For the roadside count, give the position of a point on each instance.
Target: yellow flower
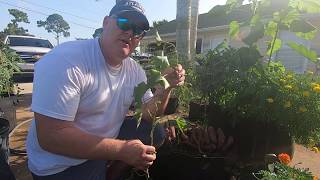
(302, 109)
(283, 80)
(289, 76)
(287, 104)
(270, 100)
(316, 89)
(306, 93)
(288, 86)
(284, 158)
(315, 84)
(315, 149)
(315, 178)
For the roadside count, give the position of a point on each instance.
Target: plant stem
(273, 43)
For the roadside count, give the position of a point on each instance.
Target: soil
(303, 157)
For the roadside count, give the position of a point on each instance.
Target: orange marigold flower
(315, 178)
(284, 158)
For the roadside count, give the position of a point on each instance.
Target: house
(213, 28)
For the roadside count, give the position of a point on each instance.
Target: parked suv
(29, 48)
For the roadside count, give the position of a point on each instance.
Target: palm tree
(183, 28)
(186, 32)
(193, 26)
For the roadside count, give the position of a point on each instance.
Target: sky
(84, 16)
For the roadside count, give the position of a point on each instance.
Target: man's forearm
(68, 140)
(157, 105)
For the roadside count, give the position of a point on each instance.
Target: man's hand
(175, 76)
(138, 155)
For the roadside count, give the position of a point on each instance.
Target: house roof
(217, 16)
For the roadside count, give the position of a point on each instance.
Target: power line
(38, 12)
(57, 10)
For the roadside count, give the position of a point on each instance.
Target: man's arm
(64, 138)
(157, 105)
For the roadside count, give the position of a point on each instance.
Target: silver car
(29, 48)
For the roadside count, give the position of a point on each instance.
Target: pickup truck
(30, 49)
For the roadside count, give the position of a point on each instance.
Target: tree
(157, 24)
(13, 28)
(55, 24)
(97, 32)
(194, 26)
(183, 29)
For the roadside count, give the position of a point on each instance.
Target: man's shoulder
(132, 63)
(75, 45)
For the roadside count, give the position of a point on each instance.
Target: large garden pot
(197, 111)
(253, 138)
(4, 139)
(5, 171)
(8, 110)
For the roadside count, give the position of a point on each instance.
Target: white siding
(291, 59)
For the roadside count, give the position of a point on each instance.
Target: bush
(8, 66)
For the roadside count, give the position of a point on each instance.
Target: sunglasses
(125, 25)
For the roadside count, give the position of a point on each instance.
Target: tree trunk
(194, 26)
(183, 29)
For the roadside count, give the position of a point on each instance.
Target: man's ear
(106, 20)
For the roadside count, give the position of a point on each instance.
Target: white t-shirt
(74, 83)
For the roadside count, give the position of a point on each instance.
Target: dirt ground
(306, 158)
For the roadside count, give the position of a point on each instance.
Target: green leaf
(308, 6)
(256, 33)
(163, 82)
(158, 38)
(233, 4)
(234, 29)
(160, 62)
(276, 47)
(182, 123)
(271, 29)
(156, 78)
(301, 26)
(292, 15)
(301, 49)
(308, 36)
(138, 93)
(254, 20)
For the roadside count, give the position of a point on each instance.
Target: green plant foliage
(274, 47)
(234, 29)
(308, 6)
(256, 33)
(160, 62)
(301, 26)
(8, 66)
(311, 55)
(279, 171)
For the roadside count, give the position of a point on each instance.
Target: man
(82, 92)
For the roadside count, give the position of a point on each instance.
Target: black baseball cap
(131, 10)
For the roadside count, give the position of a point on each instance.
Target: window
(32, 42)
